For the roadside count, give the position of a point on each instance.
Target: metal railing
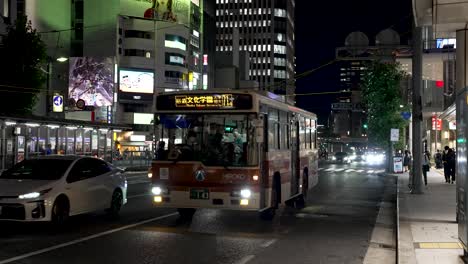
(133, 159)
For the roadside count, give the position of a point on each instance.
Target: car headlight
(333, 158)
(33, 195)
(156, 190)
(246, 193)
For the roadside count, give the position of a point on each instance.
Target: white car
(52, 188)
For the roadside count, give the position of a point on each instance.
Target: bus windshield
(214, 140)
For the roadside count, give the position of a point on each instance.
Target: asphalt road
(335, 227)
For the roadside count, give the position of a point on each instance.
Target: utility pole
(416, 170)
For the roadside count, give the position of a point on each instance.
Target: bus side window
(273, 129)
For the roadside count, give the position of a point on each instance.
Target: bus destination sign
(204, 101)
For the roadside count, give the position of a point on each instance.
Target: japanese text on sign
(205, 101)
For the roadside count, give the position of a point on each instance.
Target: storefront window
(32, 141)
(102, 143)
(87, 142)
(53, 139)
(41, 141)
(79, 141)
(71, 141)
(62, 140)
(94, 142)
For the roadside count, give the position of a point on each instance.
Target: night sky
(321, 26)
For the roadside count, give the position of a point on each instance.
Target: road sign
(57, 103)
(406, 115)
(394, 135)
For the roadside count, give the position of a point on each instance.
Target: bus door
(262, 141)
(295, 159)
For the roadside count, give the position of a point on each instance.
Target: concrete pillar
(416, 169)
(462, 121)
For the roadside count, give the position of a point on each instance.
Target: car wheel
(60, 211)
(268, 214)
(186, 213)
(116, 203)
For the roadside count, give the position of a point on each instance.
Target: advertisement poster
(132, 81)
(177, 11)
(21, 143)
(9, 146)
(92, 80)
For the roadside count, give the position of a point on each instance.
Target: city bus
(238, 150)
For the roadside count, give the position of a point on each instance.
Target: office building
(266, 31)
(119, 55)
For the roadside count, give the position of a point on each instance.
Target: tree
(21, 78)
(383, 99)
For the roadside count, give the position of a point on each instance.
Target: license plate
(199, 194)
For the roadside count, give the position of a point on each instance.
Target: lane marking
(320, 169)
(350, 170)
(76, 241)
(380, 171)
(244, 260)
(330, 169)
(359, 171)
(370, 171)
(337, 170)
(269, 243)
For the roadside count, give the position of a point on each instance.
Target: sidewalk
(428, 231)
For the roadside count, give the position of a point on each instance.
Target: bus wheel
(299, 203)
(186, 213)
(305, 182)
(268, 214)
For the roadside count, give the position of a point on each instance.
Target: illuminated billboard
(92, 80)
(136, 81)
(168, 10)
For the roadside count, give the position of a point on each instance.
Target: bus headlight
(150, 175)
(156, 190)
(246, 193)
(255, 177)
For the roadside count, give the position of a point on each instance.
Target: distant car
(52, 188)
(342, 157)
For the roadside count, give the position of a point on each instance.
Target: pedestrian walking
(438, 160)
(451, 161)
(448, 160)
(406, 161)
(426, 165)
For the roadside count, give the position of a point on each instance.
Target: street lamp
(62, 59)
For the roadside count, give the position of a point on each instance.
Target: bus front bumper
(219, 200)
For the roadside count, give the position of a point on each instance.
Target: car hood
(12, 187)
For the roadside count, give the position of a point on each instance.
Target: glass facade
(23, 140)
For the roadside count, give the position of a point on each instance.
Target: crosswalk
(351, 170)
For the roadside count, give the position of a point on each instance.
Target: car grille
(12, 211)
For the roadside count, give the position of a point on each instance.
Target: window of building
(137, 53)
(175, 42)
(137, 34)
(280, 12)
(175, 59)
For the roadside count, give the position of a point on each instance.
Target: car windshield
(214, 140)
(341, 154)
(38, 169)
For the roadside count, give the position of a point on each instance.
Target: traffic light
(365, 126)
